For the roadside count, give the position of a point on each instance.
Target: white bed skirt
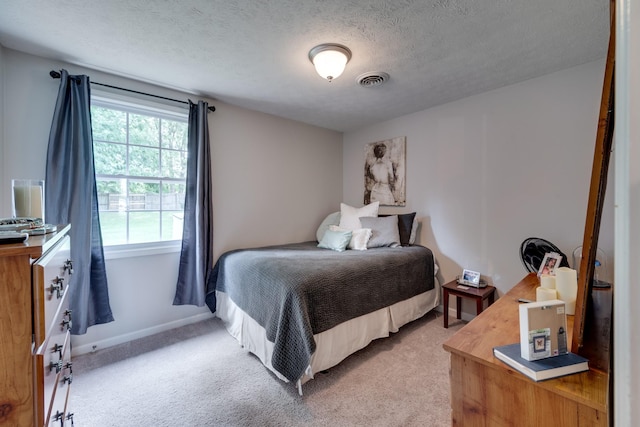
(335, 344)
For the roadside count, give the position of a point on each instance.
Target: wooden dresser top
(36, 245)
(499, 325)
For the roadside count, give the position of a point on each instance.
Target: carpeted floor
(198, 375)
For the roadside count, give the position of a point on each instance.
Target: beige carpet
(198, 375)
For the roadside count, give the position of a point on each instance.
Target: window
(140, 156)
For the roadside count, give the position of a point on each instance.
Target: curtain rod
(56, 75)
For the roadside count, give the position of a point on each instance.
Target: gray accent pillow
(331, 219)
(384, 231)
(406, 223)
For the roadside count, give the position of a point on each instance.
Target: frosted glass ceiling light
(330, 59)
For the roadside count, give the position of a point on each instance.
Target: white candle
(567, 287)
(36, 208)
(548, 281)
(545, 294)
(27, 199)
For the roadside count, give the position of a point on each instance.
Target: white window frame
(107, 99)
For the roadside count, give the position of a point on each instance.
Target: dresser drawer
(59, 412)
(51, 275)
(53, 372)
(27, 310)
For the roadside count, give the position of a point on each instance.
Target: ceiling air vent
(372, 79)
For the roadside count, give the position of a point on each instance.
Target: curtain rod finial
(54, 74)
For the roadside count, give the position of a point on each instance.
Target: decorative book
(544, 369)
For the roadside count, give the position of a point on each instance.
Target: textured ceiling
(253, 53)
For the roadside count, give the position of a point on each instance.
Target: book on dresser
(543, 369)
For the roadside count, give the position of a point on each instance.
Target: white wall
(274, 181)
(486, 172)
(633, 333)
(627, 227)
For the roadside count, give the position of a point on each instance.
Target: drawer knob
(58, 348)
(66, 321)
(55, 365)
(68, 378)
(68, 266)
(57, 287)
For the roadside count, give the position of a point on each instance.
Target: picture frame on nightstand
(470, 278)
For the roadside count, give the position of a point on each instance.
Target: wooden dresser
(35, 355)
(486, 392)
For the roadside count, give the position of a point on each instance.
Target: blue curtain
(71, 198)
(196, 257)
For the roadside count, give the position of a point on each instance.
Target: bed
(301, 308)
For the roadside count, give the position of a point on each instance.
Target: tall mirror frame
(584, 316)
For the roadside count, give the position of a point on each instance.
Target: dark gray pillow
(405, 228)
(384, 230)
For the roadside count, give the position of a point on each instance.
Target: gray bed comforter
(297, 290)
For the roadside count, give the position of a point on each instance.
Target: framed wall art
(384, 172)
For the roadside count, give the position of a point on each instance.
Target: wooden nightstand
(461, 291)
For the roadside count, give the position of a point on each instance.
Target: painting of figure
(384, 172)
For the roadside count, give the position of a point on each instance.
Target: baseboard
(121, 339)
(467, 317)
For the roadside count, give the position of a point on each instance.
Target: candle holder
(28, 199)
(601, 274)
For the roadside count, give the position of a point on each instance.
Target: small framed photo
(471, 278)
(550, 262)
(540, 343)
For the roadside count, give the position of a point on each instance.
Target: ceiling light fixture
(330, 59)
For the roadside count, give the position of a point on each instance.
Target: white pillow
(350, 216)
(331, 219)
(414, 232)
(359, 237)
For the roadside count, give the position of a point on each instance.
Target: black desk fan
(533, 250)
